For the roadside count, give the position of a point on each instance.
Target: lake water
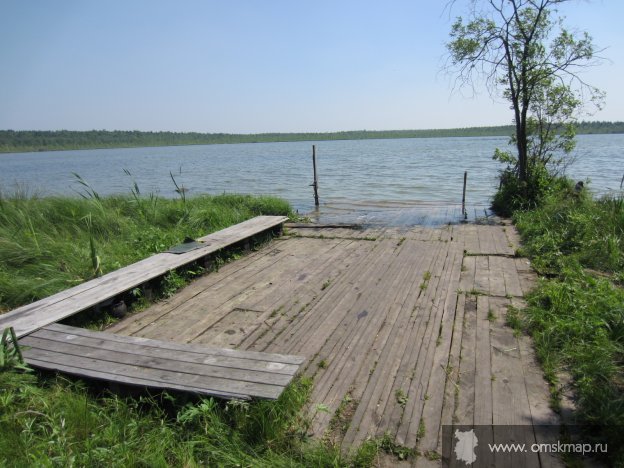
(365, 180)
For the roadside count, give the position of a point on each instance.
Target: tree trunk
(521, 143)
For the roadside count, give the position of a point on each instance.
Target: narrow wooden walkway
(33, 316)
(403, 330)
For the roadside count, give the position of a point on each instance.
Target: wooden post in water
(315, 183)
(464, 212)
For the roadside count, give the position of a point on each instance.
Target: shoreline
(44, 141)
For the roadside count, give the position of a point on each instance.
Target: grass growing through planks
(401, 397)
(576, 314)
(425, 281)
(51, 244)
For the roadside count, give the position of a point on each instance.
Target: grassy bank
(48, 244)
(576, 314)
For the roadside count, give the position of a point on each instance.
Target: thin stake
(464, 212)
(315, 183)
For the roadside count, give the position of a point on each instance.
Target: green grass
(56, 422)
(50, 244)
(576, 314)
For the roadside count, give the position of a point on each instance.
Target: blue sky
(254, 66)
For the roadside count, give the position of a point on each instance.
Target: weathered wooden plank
(526, 275)
(382, 306)
(510, 402)
(331, 307)
(482, 275)
(486, 241)
(503, 244)
(199, 356)
(412, 357)
(54, 308)
(433, 405)
(131, 379)
(55, 360)
(299, 277)
(172, 346)
(467, 277)
(464, 413)
(138, 361)
(390, 356)
(310, 294)
(451, 387)
(496, 275)
(434, 401)
(512, 281)
(470, 235)
(409, 429)
(394, 370)
(483, 363)
(510, 397)
(293, 306)
(136, 356)
(210, 298)
(302, 269)
(539, 397)
(422, 364)
(337, 308)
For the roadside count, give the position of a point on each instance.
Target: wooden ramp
(33, 316)
(224, 373)
(403, 330)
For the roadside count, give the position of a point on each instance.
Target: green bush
(513, 195)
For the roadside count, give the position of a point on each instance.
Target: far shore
(25, 141)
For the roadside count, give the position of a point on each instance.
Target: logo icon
(465, 446)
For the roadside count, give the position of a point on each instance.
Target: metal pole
(464, 212)
(315, 183)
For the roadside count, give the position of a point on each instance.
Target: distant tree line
(38, 140)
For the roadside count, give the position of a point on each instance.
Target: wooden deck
(224, 373)
(33, 316)
(403, 330)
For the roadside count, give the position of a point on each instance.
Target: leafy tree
(521, 47)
